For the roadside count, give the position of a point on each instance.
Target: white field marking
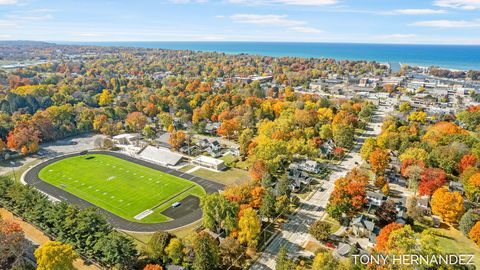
(111, 178)
(97, 190)
(105, 193)
(50, 170)
(143, 214)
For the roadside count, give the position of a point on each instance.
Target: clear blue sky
(367, 21)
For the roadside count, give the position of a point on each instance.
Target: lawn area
(186, 168)
(453, 241)
(119, 186)
(228, 177)
(335, 224)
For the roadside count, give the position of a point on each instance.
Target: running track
(31, 178)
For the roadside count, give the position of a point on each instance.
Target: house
(343, 249)
(203, 144)
(424, 203)
(214, 149)
(456, 186)
(297, 175)
(211, 127)
(375, 198)
(188, 150)
(127, 139)
(310, 166)
(362, 226)
(327, 148)
(235, 150)
(209, 162)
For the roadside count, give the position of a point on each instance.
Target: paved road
(31, 178)
(294, 234)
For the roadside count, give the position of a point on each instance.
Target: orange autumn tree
(258, 170)
(410, 162)
(177, 139)
(474, 233)
(447, 205)
(229, 128)
(382, 238)
(436, 132)
(349, 195)
(467, 161)
(153, 267)
(379, 160)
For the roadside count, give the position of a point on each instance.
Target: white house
(209, 162)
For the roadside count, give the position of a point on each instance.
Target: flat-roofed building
(209, 162)
(161, 155)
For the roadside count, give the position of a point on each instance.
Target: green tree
(219, 213)
(320, 230)
(326, 132)
(117, 251)
(55, 255)
(324, 260)
(157, 244)
(267, 209)
(206, 253)
(468, 220)
(244, 140)
(282, 261)
(344, 135)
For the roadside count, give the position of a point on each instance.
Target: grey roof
(343, 249)
(362, 221)
(376, 195)
(161, 155)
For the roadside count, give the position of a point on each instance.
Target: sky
(358, 21)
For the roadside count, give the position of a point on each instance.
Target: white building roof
(126, 136)
(209, 160)
(160, 155)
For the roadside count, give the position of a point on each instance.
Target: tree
(431, 180)
(474, 233)
(249, 227)
(343, 135)
(105, 98)
(12, 244)
(157, 244)
(153, 267)
(447, 205)
(380, 182)
(379, 160)
(258, 170)
(402, 241)
(472, 188)
(174, 250)
(386, 213)
(267, 209)
(177, 139)
(326, 132)
(244, 140)
(467, 161)
(349, 195)
(55, 255)
(135, 121)
(282, 262)
(418, 117)
(384, 235)
(320, 230)
(229, 128)
(231, 252)
(206, 253)
(368, 147)
(324, 260)
(468, 220)
(116, 250)
(219, 213)
(414, 154)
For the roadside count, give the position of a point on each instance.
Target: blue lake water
(464, 57)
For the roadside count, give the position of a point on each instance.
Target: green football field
(119, 186)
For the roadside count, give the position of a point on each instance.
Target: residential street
(294, 234)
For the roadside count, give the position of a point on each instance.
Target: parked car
(176, 204)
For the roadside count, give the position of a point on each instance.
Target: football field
(129, 190)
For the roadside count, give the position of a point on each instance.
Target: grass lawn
(453, 241)
(186, 168)
(228, 177)
(119, 186)
(335, 224)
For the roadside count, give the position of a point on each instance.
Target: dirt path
(38, 237)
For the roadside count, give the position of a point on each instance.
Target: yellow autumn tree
(249, 227)
(55, 255)
(447, 205)
(106, 98)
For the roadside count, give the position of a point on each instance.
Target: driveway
(294, 234)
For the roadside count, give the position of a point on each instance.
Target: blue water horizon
(460, 57)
